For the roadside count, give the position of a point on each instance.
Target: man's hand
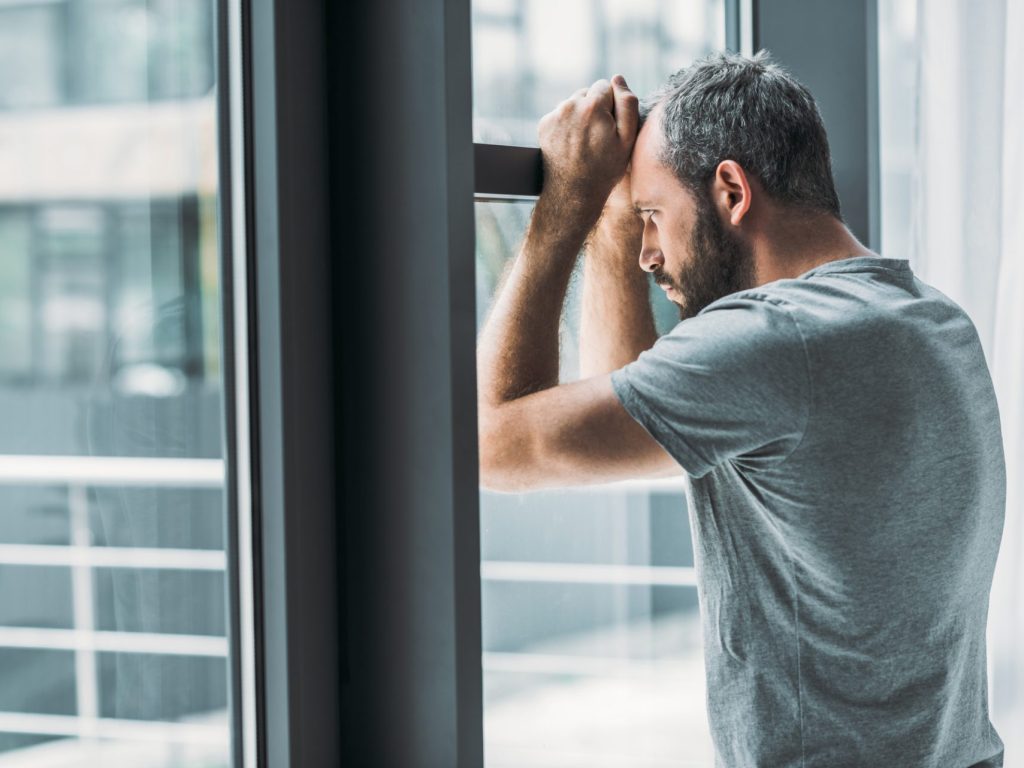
(586, 142)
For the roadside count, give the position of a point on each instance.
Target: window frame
(355, 364)
(277, 352)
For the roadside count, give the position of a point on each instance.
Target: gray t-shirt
(846, 489)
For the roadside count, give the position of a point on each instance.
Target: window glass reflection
(59, 52)
(528, 55)
(897, 94)
(113, 611)
(591, 626)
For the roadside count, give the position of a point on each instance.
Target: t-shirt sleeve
(731, 383)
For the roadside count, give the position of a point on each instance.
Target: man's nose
(650, 257)
(650, 254)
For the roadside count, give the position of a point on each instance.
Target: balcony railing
(79, 473)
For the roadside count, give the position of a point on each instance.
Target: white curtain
(966, 237)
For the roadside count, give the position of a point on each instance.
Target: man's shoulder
(848, 301)
(750, 324)
(770, 308)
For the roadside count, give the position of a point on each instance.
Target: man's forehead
(646, 157)
(648, 139)
(646, 167)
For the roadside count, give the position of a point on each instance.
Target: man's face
(686, 248)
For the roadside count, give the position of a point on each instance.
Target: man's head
(719, 135)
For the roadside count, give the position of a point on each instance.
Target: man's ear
(730, 191)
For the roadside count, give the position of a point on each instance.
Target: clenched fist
(586, 142)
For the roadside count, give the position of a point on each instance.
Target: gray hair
(729, 107)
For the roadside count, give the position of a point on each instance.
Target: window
(114, 607)
(591, 628)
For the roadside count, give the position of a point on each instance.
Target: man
(833, 414)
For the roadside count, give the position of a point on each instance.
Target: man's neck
(794, 245)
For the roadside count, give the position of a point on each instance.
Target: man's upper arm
(573, 434)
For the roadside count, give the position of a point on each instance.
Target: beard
(720, 263)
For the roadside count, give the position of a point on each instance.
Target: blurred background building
(112, 572)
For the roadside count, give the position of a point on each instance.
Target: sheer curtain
(952, 86)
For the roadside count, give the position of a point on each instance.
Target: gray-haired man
(833, 414)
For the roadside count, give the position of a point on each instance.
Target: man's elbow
(497, 470)
(501, 482)
(503, 456)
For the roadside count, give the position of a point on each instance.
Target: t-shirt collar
(858, 264)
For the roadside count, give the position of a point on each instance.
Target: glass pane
(591, 628)
(30, 63)
(58, 52)
(897, 93)
(113, 589)
(528, 55)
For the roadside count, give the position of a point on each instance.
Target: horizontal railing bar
(540, 752)
(114, 557)
(167, 644)
(111, 728)
(586, 573)
(96, 471)
(639, 485)
(84, 750)
(563, 664)
(215, 560)
(111, 470)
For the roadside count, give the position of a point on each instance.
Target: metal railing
(79, 473)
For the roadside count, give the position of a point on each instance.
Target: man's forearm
(616, 323)
(517, 350)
